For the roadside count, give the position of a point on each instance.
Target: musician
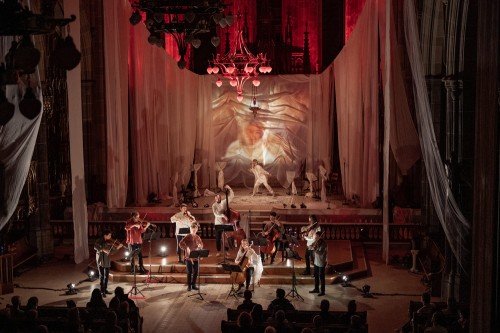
(191, 242)
(320, 249)
(273, 224)
(182, 219)
(135, 227)
(220, 207)
(309, 231)
(104, 246)
(246, 251)
(260, 177)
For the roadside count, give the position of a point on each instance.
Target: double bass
(232, 239)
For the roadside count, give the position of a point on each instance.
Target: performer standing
(309, 231)
(104, 247)
(191, 242)
(135, 227)
(320, 256)
(260, 177)
(182, 219)
(246, 251)
(273, 231)
(219, 207)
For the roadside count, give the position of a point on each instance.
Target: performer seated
(320, 249)
(182, 219)
(273, 231)
(246, 251)
(219, 207)
(260, 177)
(191, 242)
(135, 227)
(309, 231)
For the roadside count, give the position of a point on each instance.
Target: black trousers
(309, 258)
(103, 277)
(319, 276)
(137, 248)
(248, 276)
(218, 237)
(192, 272)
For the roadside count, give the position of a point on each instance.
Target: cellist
(248, 258)
(273, 231)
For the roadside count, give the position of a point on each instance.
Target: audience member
(114, 304)
(257, 315)
(307, 330)
(438, 324)
(96, 300)
(281, 324)
(356, 326)
(318, 322)
(120, 293)
(42, 329)
(247, 304)
(427, 308)
(280, 302)
(15, 309)
(270, 329)
(32, 303)
(74, 324)
(325, 310)
(352, 307)
(111, 324)
(245, 323)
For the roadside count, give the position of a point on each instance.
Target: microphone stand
(345, 187)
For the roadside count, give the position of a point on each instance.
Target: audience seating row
(232, 327)
(300, 316)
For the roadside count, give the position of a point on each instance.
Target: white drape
(116, 13)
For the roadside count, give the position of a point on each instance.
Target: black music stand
(232, 268)
(224, 228)
(150, 236)
(293, 255)
(259, 241)
(198, 254)
(134, 292)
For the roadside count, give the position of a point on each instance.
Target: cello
(240, 277)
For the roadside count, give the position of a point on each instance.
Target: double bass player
(220, 209)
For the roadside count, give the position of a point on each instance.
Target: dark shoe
(103, 295)
(321, 293)
(195, 288)
(314, 291)
(142, 271)
(108, 292)
(239, 287)
(306, 272)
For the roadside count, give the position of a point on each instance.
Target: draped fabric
(17, 142)
(116, 83)
(455, 225)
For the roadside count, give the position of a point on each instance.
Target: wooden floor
(168, 307)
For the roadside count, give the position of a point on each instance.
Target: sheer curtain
(116, 13)
(455, 225)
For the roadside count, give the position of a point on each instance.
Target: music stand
(199, 254)
(294, 256)
(134, 291)
(150, 236)
(259, 241)
(232, 268)
(224, 228)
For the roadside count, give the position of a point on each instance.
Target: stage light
(71, 289)
(345, 281)
(126, 256)
(366, 291)
(92, 274)
(163, 251)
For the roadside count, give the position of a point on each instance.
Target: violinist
(191, 242)
(104, 247)
(135, 227)
(308, 232)
(219, 207)
(273, 231)
(182, 220)
(246, 256)
(320, 249)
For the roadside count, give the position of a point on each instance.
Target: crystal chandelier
(182, 19)
(239, 65)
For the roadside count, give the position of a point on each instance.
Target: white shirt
(182, 221)
(309, 237)
(220, 208)
(260, 174)
(249, 253)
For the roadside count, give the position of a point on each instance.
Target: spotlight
(135, 18)
(71, 289)
(366, 291)
(92, 274)
(345, 281)
(126, 256)
(163, 251)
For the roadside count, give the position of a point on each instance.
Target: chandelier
(184, 20)
(239, 65)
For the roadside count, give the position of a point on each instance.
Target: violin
(113, 243)
(316, 243)
(308, 228)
